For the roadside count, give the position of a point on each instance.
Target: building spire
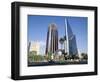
(65, 36)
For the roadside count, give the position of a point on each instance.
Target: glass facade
(72, 41)
(52, 39)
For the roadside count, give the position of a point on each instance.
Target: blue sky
(38, 26)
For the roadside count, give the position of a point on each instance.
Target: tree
(33, 57)
(61, 42)
(84, 56)
(49, 55)
(65, 56)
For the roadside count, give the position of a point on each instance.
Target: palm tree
(61, 42)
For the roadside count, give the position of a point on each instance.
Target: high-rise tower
(72, 45)
(66, 39)
(52, 39)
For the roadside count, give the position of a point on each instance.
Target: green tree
(61, 42)
(84, 56)
(49, 55)
(31, 56)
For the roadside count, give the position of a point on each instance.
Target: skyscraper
(66, 39)
(71, 40)
(52, 39)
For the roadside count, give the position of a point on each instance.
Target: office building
(52, 39)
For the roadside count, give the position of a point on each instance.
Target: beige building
(35, 46)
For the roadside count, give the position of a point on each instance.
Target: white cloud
(42, 43)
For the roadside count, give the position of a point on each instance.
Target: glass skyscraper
(52, 39)
(72, 45)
